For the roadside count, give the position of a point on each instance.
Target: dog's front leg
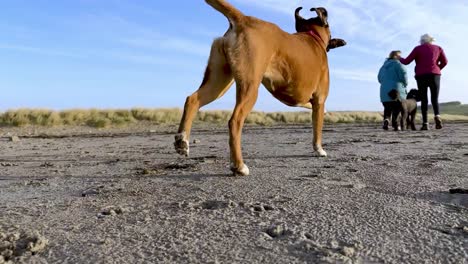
(403, 120)
(246, 98)
(404, 115)
(318, 113)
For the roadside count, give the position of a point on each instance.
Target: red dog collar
(315, 35)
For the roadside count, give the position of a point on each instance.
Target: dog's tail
(232, 13)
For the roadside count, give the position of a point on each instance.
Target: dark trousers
(392, 109)
(431, 81)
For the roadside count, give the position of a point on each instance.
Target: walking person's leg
(435, 89)
(422, 87)
(387, 114)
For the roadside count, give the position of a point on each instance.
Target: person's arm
(410, 58)
(442, 60)
(405, 76)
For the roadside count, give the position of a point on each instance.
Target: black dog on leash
(407, 107)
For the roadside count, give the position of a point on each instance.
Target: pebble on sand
(8, 164)
(348, 251)
(37, 243)
(92, 191)
(216, 205)
(112, 211)
(277, 230)
(14, 139)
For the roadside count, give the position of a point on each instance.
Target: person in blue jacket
(392, 75)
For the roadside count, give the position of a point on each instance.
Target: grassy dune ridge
(454, 108)
(123, 117)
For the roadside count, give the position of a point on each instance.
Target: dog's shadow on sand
(446, 198)
(293, 156)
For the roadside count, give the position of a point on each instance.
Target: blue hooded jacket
(392, 75)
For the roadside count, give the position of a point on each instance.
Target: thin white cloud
(136, 58)
(364, 75)
(170, 43)
(134, 35)
(152, 60)
(41, 51)
(136, 44)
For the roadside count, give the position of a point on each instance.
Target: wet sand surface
(126, 197)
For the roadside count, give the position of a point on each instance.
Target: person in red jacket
(430, 60)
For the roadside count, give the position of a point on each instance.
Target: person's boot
(386, 123)
(438, 122)
(425, 126)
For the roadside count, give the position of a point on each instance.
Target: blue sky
(130, 53)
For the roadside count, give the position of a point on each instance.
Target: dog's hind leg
(396, 111)
(246, 96)
(404, 115)
(217, 80)
(408, 122)
(318, 112)
(412, 116)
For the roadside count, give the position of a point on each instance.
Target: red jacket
(430, 59)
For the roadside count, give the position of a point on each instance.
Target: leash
(317, 37)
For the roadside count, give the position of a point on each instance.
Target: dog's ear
(304, 25)
(322, 14)
(336, 43)
(300, 21)
(414, 94)
(417, 95)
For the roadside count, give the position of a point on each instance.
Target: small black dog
(407, 107)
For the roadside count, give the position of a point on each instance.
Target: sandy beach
(124, 196)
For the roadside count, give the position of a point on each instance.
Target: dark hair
(393, 54)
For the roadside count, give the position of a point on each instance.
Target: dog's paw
(242, 171)
(181, 144)
(320, 152)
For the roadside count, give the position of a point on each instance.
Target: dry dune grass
(122, 117)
